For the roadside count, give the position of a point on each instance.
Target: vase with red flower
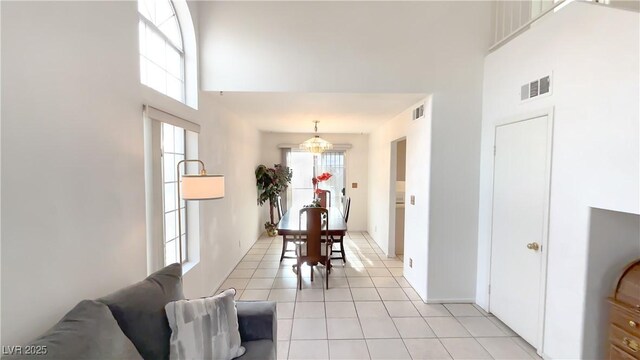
(319, 195)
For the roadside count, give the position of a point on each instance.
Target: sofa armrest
(257, 320)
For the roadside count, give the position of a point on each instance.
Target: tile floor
(369, 311)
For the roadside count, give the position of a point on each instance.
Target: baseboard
(451, 301)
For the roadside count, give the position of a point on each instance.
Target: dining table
(291, 228)
(290, 224)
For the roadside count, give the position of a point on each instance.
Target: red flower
(324, 176)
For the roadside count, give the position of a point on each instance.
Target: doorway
(401, 171)
(397, 197)
(522, 163)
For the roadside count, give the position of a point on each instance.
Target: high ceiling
(349, 64)
(337, 113)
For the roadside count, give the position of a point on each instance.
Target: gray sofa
(131, 324)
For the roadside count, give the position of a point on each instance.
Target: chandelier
(316, 145)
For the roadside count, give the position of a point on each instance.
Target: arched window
(166, 40)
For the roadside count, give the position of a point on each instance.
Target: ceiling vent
(418, 112)
(536, 88)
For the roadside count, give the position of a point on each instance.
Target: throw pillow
(139, 310)
(205, 328)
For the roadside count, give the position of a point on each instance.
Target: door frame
(548, 112)
(393, 163)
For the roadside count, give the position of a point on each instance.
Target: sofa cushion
(257, 320)
(139, 310)
(88, 331)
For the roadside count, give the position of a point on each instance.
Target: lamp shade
(202, 187)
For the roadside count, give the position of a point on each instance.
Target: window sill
(187, 266)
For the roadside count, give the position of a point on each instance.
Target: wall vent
(418, 112)
(535, 88)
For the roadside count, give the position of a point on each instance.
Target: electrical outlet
(413, 199)
(375, 228)
(411, 263)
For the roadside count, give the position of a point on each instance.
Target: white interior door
(520, 203)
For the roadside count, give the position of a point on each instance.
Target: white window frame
(189, 56)
(183, 89)
(181, 204)
(153, 119)
(336, 195)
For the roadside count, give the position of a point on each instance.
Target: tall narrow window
(169, 139)
(162, 56)
(173, 151)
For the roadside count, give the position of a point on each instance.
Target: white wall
(453, 194)
(73, 209)
(343, 46)
(356, 162)
(382, 182)
(229, 227)
(595, 161)
(433, 47)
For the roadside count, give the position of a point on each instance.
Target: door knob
(533, 246)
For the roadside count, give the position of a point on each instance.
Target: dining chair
(340, 239)
(325, 198)
(285, 239)
(310, 251)
(279, 207)
(347, 207)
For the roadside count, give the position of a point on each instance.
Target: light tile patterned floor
(369, 311)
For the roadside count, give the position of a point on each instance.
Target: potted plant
(271, 182)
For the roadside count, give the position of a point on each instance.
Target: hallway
(369, 311)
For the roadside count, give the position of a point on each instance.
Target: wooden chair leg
(327, 264)
(344, 257)
(326, 270)
(284, 246)
(299, 266)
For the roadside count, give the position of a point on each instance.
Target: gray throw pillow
(139, 310)
(87, 332)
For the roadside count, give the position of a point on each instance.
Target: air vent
(545, 85)
(535, 88)
(418, 112)
(524, 92)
